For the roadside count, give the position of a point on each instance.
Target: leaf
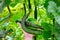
(57, 18)
(32, 20)
(38, 2)
(58, 8)
(46, 34)
(57, 2)
(47, 27)
(8, 38)
(58, 36)
(52, 7)
(57, 28)
(13, 4)
(5, 25)
(46, 3)
(7, 2)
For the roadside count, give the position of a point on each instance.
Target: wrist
(28, 36)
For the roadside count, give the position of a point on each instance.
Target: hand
(27, 36)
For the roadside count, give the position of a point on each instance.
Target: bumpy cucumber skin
(26, 29)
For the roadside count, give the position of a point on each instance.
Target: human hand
(27, 36)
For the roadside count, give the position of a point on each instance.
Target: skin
(27, 36)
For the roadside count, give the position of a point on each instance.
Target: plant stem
(53, 35)
(24, 7)
(9, 9)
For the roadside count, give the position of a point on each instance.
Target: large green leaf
(46, 34)
(52, 7)
(47, 30)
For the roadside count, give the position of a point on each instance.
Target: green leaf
(46, 34)
(52, 7)
(5, 25)
(58, 36)
(13, 4)
(7, 2)
(46, 3)
(47, 27)
(57, 27)
(58, 9)
(57, 2)
(57, 18)
(32, 20)
(38, 2)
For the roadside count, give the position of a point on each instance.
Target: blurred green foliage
(47, 10)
